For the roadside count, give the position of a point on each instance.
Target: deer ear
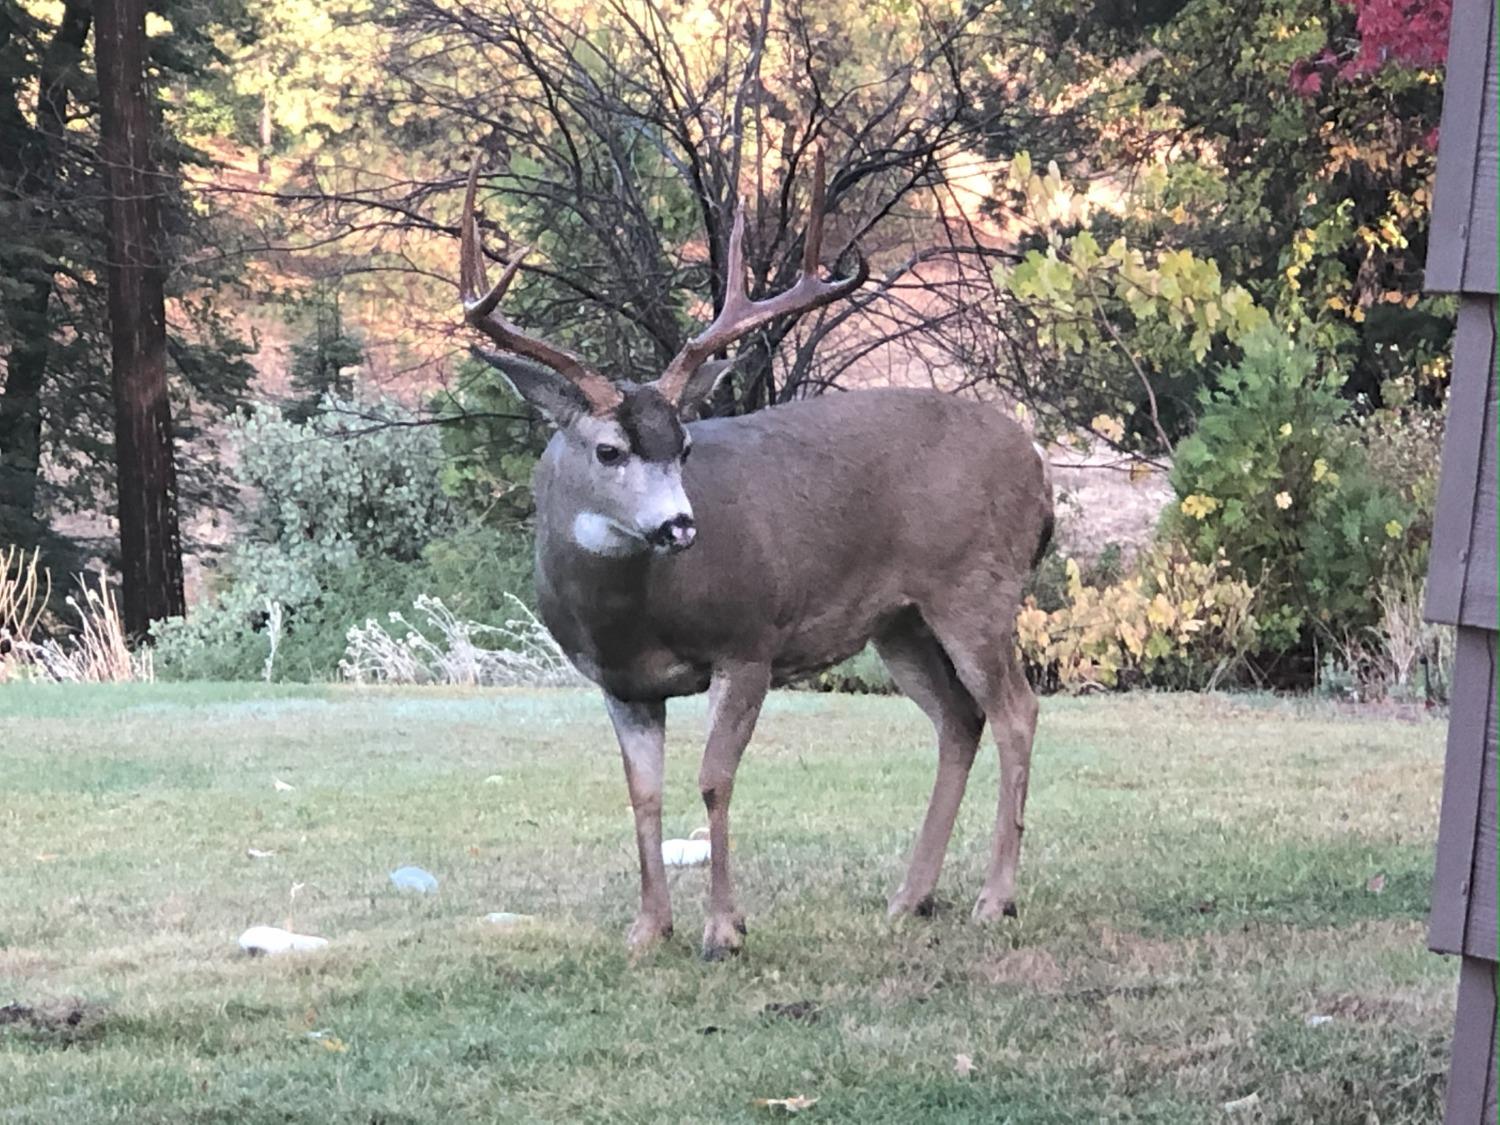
(559, 400)
(703, 382)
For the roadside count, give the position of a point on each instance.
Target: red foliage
(1405, 32)
(1391, 32)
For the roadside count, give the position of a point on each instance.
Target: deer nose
(677, 534)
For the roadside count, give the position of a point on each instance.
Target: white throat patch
(600, 535)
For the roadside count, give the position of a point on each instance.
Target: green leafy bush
(346, 520)
(490, 445)
(1276, 479)
(862, 674)
(1047, 584)
(354, 479)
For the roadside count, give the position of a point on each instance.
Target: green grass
(1194, 886)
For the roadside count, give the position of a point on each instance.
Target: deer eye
(608, 454)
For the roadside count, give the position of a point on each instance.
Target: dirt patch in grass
(1033, 969)
(59, 1021)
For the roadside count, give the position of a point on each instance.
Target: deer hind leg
(734, 702)
(641, 729)
(985, 660)
(924, 673)
(1014, 724)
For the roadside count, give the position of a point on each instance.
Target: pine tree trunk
(29, 158)
(21, 416)
(150, 544)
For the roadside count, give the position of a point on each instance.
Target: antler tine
(812, 245)
(734, 267)
(481, 305)
(738, 315)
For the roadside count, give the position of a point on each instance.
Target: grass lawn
(1196, 883)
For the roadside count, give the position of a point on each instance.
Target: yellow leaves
(1393, 529)
(1084, 251)
(1320, 469)
(1031, 627)
(1174, 610)
(1199, 506)
(1283, 500)
(1160, 614)
(1286, 429)
(1108, 427)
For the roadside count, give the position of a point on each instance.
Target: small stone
(414, 879)
(506, 918)
(272, 940)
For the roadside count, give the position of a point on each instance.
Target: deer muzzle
(677, 534)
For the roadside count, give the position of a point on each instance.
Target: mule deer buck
(787, 540)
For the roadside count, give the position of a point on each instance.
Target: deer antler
(740, 315)
(482, 313)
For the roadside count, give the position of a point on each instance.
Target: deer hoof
(993, 909)
(902, 904)
(723, 938)
(646, 932)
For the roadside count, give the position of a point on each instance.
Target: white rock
(506, 918)
(684, 853)
(271, 940)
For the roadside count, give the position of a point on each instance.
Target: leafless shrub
(274, 621)
(98, 653)
(447, 650)
(1403, 657)
(25, 587)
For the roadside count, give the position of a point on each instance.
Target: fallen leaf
(45, 857)
(963, 1066)
(1242, 1105)
(256, 853)
(328, 1041)
(494, 779)
(1376, 884)
(473, 851)
(794, 1104)
(1317, 1020)
(281, 786)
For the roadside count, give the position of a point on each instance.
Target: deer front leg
(642, 731)
(735, 697)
